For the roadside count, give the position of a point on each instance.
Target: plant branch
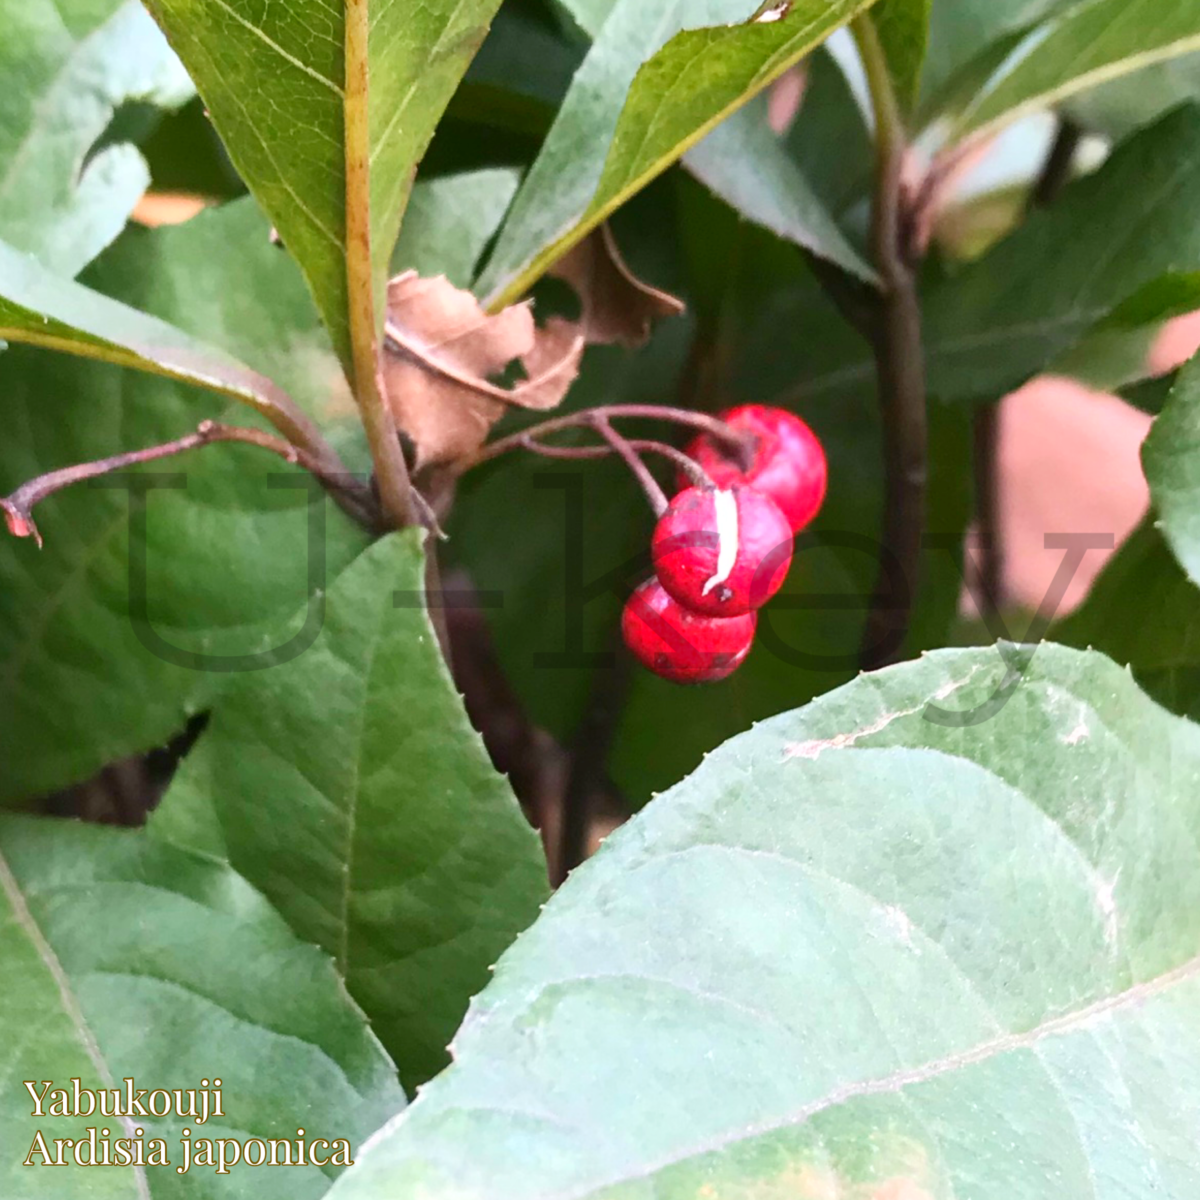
(391, 471)
(694, 470)
(1056, 171)
(654, 493)
(216, 374)
(18, 507)
(899, 368)
(587, 419)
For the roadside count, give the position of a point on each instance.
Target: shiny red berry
(680, 645)
(787, 462)
(722, 552)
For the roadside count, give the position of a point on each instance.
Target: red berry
(722, 552)
(787, 464)
(680, 645)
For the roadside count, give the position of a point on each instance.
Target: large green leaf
(273, 77)
(859, 952)
(229, 561)
(348, 785)
(644, 95)
(66, 66)
(121, 957)
(1094, 42)
(748, 166)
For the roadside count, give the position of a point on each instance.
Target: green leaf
(999, 320)
(991, 326)
(349, 786)
(644, 95)
(829, 139)
(520, 75)
(1171, 460)
(122, 957)
(1116, 353)
(230, 561)
(290, 143)
(964, 32)
(858, 952)
(1144, 612)
(40, 308)
(1094, 42)
(66, 66)
(1117, 108)
(747, 165)
(903, 27)
(450, 221)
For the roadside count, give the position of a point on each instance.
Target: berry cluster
(720, 552)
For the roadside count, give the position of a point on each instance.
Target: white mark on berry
(726, 509)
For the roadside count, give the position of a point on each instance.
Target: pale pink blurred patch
(785, 97)
(1175, 344)
(1068, 464)
(167, 208)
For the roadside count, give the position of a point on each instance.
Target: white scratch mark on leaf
(814, 746)
(1080, 733)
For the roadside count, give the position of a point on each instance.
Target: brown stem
(654, 493)
(698, 475)
(391, 471)
(18, 507)
(216, 374)
(587, 419)
(900, 372)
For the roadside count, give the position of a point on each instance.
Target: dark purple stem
(18, 507)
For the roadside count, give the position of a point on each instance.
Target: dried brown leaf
(441, 349)
(617, 307)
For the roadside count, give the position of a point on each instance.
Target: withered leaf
(617, 307)
(441, 349)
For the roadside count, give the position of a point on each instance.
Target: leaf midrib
(908, 1077)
